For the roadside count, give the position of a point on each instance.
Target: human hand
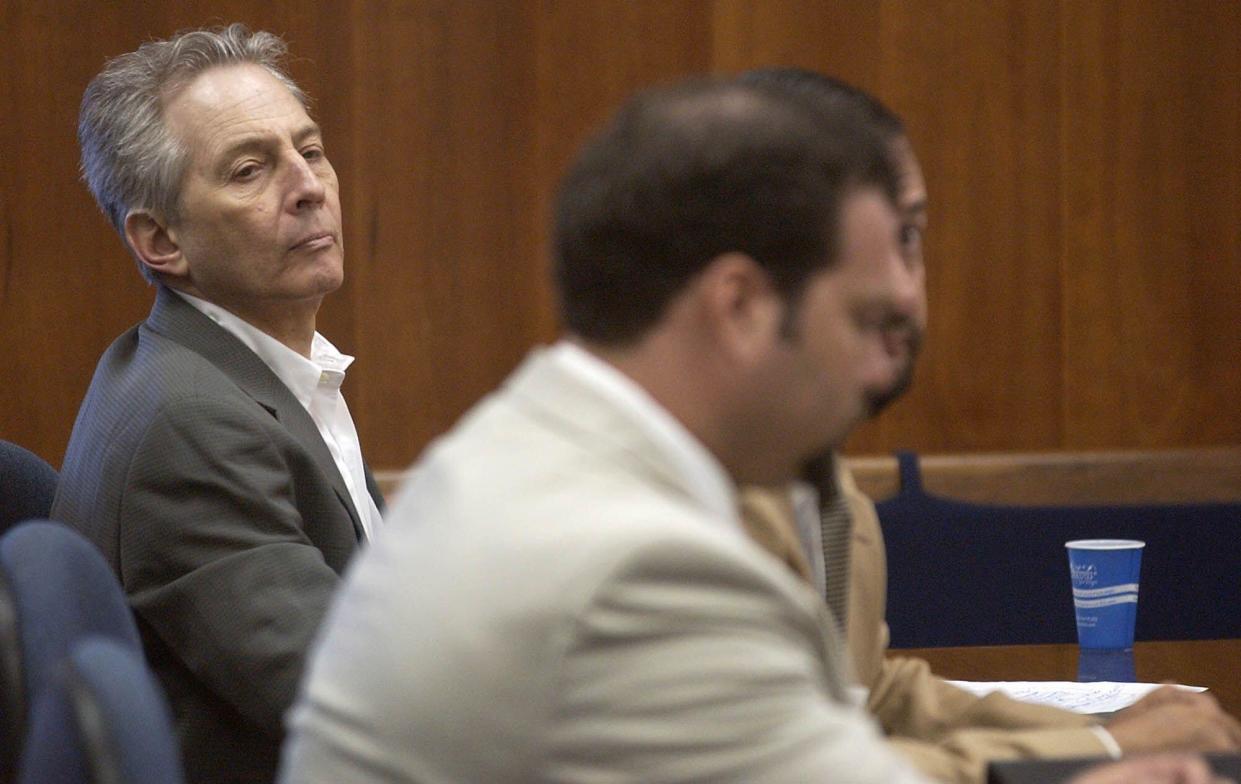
(1171, 719)
(1156, 769)
(1164, 695)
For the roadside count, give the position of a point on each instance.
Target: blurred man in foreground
(565, 592)
(949, 733)
(214, 460)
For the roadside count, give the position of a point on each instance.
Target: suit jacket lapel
(178, 320)
(372, 487)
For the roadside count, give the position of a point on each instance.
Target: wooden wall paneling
(1201, 475)
(68, 286)
(840, 39)
(977, 85)
(447, 285)
(592, 56)
(1085, 246)
(1214, 169)
(1151, 261)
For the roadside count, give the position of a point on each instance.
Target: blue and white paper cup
(1105, 590)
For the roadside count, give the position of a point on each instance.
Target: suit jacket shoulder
(209, 490)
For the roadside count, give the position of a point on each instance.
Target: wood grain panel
(841, 39)
(1207, 475)
(1082, 157)
(448, 289)
(68, 286)
(977, 85)
(1211, 475)
(1152, 257)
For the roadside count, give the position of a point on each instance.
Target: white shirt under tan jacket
(948, 733)
(558, 597)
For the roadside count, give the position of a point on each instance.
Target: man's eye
(870, 320)
(911, 235)
(313, 153)
(246, 172)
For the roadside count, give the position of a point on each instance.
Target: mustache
(818, 469)
(879, 399)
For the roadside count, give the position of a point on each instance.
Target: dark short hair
(831, 96)
(685, 174)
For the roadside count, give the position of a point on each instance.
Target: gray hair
(129, 159)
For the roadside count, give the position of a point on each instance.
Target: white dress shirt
(315, 382)
(805, 501)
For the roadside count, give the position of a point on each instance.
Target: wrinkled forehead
(228, 105)
(214, 76)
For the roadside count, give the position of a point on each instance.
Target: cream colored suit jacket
(549, 603)
(947, 732)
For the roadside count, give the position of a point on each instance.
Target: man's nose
(306, 186)
(908, 311)
(910, 285)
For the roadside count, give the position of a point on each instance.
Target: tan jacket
(948, 733)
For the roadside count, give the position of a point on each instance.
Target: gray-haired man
(214, 460)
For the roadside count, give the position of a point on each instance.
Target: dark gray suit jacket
(209, 489)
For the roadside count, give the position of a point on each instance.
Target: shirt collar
(325, 367)
(701, 474)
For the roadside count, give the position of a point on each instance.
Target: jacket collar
(561, 395)
(182, 323)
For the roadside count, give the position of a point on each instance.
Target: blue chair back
(27, 484)
(102, 719)
(12, 689)
(58, 589)
(985, 574)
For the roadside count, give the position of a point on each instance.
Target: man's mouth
(317, 241)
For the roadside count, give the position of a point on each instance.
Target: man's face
(259, 220)
(820, 379)
(904, 339)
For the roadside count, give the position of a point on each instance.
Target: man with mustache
(947, 732)
(214, 460)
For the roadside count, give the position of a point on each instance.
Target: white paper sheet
(1095, 697)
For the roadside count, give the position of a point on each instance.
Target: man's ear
(742, 308)
(155, 245)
